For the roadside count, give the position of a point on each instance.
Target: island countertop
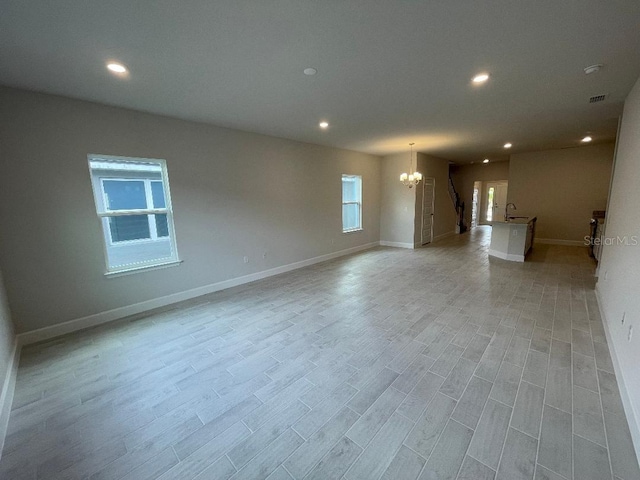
(516, 221)
(512, 240)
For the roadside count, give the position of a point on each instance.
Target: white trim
(384, 243)
(140, 167)
(633, 419)
(444, 235)
(558, 241)
(127, 213)
(96, 319)
(8, 389)
(358, 182)
(144, 268)
(103, 213)
(428, 181)
(506, 256)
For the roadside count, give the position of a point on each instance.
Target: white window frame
(359, 203)
(105, 213)
(153, 230)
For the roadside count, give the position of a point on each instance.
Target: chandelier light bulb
(413, 177)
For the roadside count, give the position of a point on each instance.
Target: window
(134, 205)
(351, 203)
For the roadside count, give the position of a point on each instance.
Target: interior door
(500, 201)
(428, 198)
(495, 201)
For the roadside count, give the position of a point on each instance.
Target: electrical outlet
(246, 259)
(630, 332)
(624, 315)
(264, 255)
(606, 274)
(515, 233)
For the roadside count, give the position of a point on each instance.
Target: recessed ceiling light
(507, 145)
(117, 68)
(586, 139)
(310, 71)
(592, 69)
(481, 78)
(486, 160)
(324, 124)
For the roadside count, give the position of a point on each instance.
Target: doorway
(495, 200)
(428, 199)
(475, 203)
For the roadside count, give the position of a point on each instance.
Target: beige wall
(401, 212)
(561, 188)
(464, 176)
(444, 212)
(619, 270)
(234, 194)
(397, 215)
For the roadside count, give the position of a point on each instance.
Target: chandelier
(412, 178)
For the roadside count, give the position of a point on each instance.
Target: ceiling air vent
(597, 98)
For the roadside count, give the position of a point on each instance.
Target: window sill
(146, 268)
(355, 230)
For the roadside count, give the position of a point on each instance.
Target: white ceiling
(389, 72)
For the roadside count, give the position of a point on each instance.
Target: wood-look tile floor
(436, 363)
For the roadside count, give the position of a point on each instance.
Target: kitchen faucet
(506, 211)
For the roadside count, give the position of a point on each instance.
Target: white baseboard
(506, 256)
(6, 396)
(384, 243)
(444, 235)
(632, 418)
(558, 241)
(100, 318)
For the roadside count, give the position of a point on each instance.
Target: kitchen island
(513, 238)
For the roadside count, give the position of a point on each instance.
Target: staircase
(459, 206)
